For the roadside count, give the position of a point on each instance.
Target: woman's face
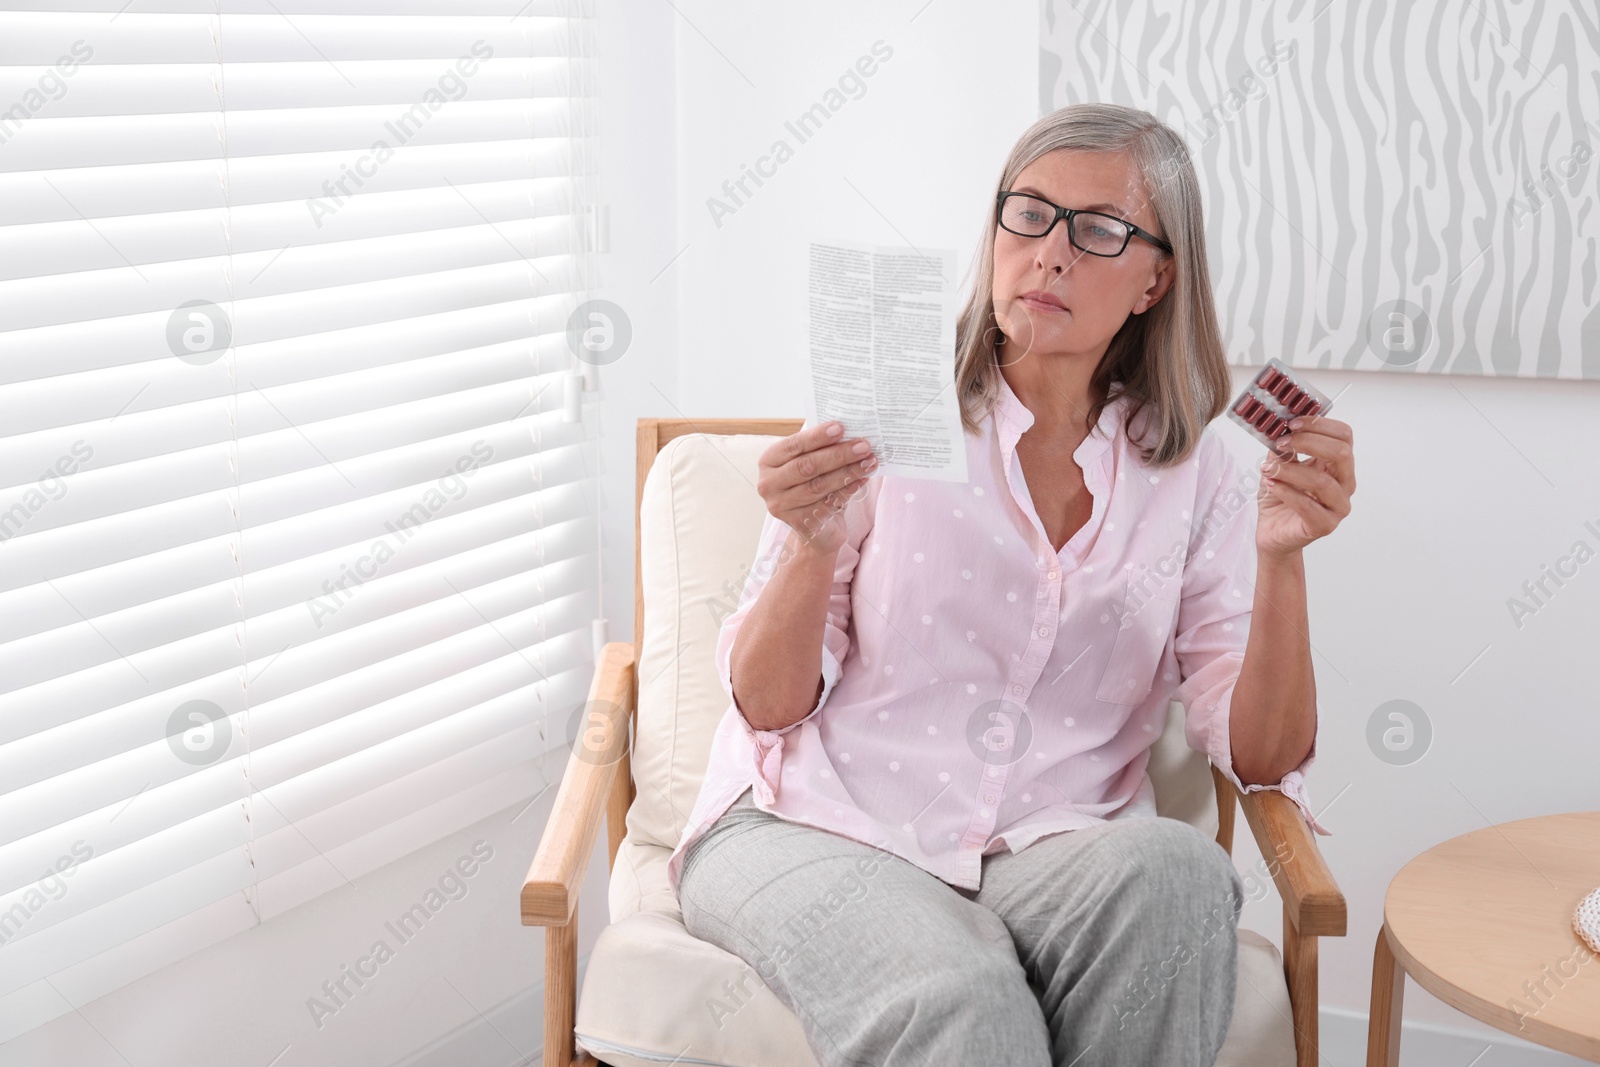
(1098, 292)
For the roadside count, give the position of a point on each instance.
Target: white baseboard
(511, 1034)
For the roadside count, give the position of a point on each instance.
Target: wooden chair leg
(560, 992)
(1388, 996)
(1300, 971)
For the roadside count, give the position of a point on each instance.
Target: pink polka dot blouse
(981, 690)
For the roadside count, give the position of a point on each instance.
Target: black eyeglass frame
(1069, 213)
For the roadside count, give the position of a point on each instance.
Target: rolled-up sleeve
(1214, 618)
(835, 638)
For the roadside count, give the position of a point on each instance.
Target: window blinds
(298, 533)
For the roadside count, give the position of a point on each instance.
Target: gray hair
(1170, 360)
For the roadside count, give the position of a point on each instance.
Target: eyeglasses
(1090, 231)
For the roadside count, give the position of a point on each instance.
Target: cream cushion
(653, 993)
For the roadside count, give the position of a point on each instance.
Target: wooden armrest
(1311, 898)
(550, 892)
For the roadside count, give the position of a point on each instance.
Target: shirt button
(1053, 575)
(1016, 688)
(1044, 631)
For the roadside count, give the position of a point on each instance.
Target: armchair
(652, 992)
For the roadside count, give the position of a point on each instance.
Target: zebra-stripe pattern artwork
(1387, 186)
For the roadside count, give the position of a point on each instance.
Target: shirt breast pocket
(1143, 628)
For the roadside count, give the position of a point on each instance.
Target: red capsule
(1268, 378)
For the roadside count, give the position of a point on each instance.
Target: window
(298, 534)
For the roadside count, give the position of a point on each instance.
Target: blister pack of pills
(1272, 398)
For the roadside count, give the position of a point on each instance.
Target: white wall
(1467, 486)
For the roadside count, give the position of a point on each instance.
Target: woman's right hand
(807, 478)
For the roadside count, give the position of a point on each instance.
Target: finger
(1335, 453)
(1346, 476)
(804, 440)
(1318, 519)
(809, 466)
(1324, 425)
(1322, 486)
(849, 467)
(1313, 443)
(1315, 482)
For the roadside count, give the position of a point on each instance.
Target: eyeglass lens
(1092, 232)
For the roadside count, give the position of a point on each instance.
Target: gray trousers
(1113, 944)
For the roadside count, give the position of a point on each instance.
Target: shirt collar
(1015, 418)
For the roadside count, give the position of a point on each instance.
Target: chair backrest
(699, 522)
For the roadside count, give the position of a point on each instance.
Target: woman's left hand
(1301, 500)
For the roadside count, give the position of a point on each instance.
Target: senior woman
(926, 822)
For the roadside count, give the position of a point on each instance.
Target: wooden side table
(1484, 923)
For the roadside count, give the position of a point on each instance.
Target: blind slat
(155, 292)
(383, 658)
(41, 196)
(318, 872)
(337, 237)
(207, 794)
(297, 513)
(286, 438)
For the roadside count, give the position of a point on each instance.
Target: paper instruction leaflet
(882, 337)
